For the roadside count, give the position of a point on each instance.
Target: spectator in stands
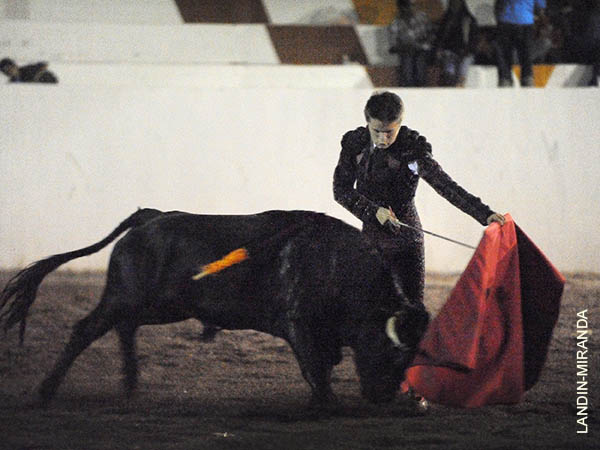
(32, 73)
(485, 46)
(410, 36)
(550, 28)
(455, 42)
(515, 31)
(583, 38)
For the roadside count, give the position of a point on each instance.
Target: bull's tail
(22, 288)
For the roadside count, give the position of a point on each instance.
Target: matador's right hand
(385, 215)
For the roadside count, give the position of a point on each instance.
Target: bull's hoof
(209, 333)
(323, 402)
(417, 403)
(130, 393)
(38, 403)
(422, 405)
(45, 394)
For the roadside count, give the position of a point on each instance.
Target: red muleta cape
(488, 343)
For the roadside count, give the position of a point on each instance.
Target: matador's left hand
(498, 218)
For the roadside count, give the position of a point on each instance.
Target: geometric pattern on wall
(383, 76)
(541, 73)
(368, 12)
(375, 12)
(290, 32)
(317, 44)
(382, 12)
(316, 32)
(222, 11)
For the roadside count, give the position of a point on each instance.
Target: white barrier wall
(76, 160)
(154, 12)
(115, 53)
(215, 76)
(310, 11)
(129, 44)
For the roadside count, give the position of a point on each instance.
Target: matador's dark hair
(384, 106)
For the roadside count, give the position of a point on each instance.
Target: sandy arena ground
(245, 391)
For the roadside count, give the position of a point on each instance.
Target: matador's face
(383, 134)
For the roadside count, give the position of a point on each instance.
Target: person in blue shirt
(515, 31)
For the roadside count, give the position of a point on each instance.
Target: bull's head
(387, 347)
(406, 327)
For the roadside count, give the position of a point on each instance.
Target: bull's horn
(390, 331)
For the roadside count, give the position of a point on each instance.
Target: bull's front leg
(315, 364)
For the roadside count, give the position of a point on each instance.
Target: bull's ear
(398, 285)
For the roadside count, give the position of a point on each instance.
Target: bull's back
(225, 232)
(298, 260)
(314, 238)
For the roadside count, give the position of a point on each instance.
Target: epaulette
(356, 139)
(411, 142)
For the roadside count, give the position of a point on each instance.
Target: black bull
(310, 279)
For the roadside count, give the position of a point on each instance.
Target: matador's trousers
(404, 252)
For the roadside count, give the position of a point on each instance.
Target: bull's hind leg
(126, 333)
(86, 331)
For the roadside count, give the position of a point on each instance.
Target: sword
(398, 224)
